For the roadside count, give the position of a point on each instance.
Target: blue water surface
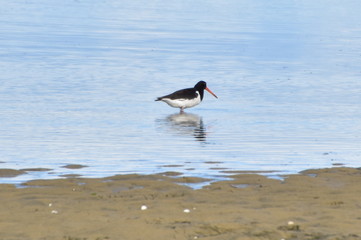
(79, 78)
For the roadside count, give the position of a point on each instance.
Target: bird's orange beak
(211, 92)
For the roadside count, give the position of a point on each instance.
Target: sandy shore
(315, 204)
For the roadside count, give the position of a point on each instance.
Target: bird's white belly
(183, 103)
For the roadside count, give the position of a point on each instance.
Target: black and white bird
(186, 98)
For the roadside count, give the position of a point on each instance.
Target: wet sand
(315, 204)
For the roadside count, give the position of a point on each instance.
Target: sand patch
(315, 204)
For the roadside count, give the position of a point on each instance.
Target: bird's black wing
(188, 93)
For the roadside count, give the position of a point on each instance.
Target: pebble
(143, 208)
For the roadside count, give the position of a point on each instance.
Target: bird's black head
(201, 85)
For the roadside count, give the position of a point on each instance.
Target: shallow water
(79, 80)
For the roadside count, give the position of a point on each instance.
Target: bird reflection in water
(185, 124)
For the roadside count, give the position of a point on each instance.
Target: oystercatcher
(186, 98)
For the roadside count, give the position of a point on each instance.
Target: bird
(186, 98)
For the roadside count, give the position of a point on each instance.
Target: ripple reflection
(185, 124)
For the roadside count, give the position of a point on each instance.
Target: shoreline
(314, 204)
